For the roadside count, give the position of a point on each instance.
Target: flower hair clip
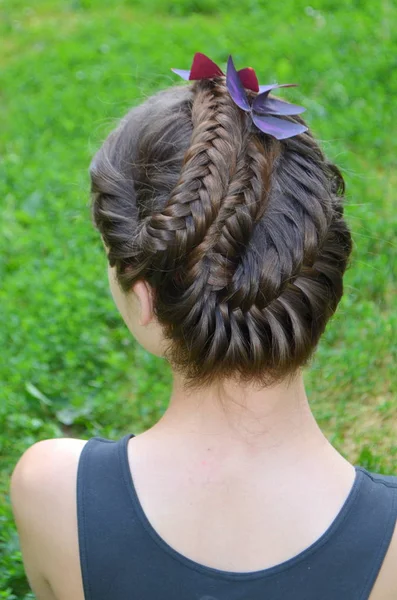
(263, 108)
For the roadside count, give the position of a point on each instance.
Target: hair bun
(241, 236)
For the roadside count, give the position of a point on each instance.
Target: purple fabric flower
(263, 108)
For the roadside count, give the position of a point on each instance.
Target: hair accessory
(262, 108)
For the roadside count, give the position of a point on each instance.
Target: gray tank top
(123, 558)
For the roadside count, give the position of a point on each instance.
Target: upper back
(106, 544)
(342, 563)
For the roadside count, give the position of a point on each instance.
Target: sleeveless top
(123, 558)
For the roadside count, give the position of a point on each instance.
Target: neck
(274, 425)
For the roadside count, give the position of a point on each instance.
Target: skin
(222, 439)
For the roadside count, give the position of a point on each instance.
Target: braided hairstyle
(241, 236)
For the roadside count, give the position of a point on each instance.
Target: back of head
(240, 235)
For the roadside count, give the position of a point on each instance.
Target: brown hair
(241, 236)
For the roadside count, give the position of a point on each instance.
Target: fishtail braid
(242, 237)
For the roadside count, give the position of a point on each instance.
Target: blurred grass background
(68, 70)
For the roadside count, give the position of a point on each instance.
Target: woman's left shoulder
(43, 499)
(46, 467)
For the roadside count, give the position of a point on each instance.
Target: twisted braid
(208, 168)
(241, 236)
(268, 307)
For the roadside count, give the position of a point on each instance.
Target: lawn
(68, 71)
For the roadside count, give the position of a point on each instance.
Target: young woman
(223, 225)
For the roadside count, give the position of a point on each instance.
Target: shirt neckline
(235, 575)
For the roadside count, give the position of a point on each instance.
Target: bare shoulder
(43, 499)
(45, 470)
(45, 452)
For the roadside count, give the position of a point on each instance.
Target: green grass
(68, 71)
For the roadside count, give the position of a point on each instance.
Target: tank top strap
(355, 555)
(106, 519)
(122, 556)
(380, 499)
